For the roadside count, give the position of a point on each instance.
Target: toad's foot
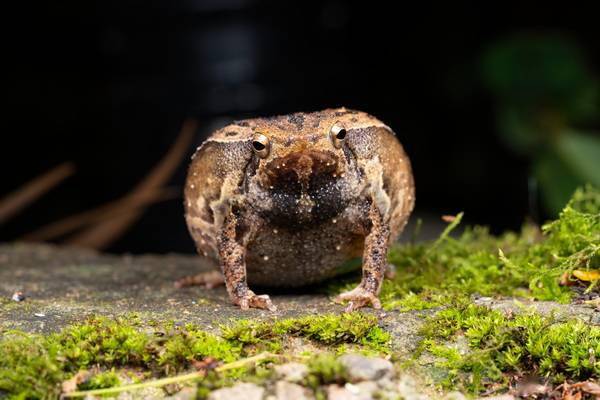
(251, 300)
(209, 280)
(358, 298)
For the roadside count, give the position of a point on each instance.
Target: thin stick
(34, 189)
(171, 380)
(103, 234)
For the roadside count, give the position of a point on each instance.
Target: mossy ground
(503, 348)
(440, 275)
(34, 366)
(535, 264)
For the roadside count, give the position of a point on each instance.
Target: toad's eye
(337, 134)
(261, 145)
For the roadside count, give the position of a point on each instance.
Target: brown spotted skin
(298, 215)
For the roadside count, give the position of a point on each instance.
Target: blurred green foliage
(548, 110)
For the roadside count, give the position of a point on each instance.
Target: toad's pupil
(258, 146)
(341, 134)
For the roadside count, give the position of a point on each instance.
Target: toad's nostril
(301, 166)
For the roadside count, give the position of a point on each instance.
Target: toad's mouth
(301, 167)
(304, 187)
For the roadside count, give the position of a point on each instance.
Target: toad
(289, 200)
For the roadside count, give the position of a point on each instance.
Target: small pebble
(361, 368)
(292, 391)
(455, 396)
(336, 392)
(367, 388)
(291, 372)
(246, 391)
(18, 296)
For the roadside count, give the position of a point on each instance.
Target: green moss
(324, 369)
(256, 374)
(527, 264)
(502, 347)
(29, 367)
(34, 366)
(101, 380)
(327, 329)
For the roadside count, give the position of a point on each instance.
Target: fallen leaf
(588, 276)
(588, 387)
(575, 391)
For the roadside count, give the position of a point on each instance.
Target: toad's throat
(300, 204)
(305, 188)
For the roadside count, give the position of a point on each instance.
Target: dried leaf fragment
(588, 276)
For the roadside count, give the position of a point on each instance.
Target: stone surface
(336, 392)
(584, 312)
(246, 391)
(362, 388)
(455, 396)
(292, 391)
(65, 285)
(360, 368)
(291, 372)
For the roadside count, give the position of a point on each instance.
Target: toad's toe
(358, 298)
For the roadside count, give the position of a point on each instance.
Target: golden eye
(261, 145)
(337, 134)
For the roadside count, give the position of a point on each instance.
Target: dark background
(108, 86)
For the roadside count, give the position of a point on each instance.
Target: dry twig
(104, 233)
(115, 209)
(194, 376)
(31, 191)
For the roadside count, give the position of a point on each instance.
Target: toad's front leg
(373, 267)
(232, 256)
